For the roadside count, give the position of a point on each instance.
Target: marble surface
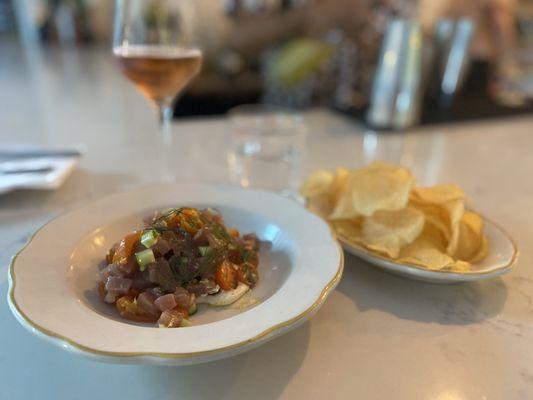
(378, 336)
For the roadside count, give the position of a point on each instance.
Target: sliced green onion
(203, 250)
(149, 238)
(144, 258)
(193, 308)
(185, 323)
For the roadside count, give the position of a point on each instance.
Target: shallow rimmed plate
(52, 279)
(501, 258)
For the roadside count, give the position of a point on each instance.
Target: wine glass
(152, 43)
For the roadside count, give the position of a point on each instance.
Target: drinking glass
(266, 147)
(152, 43)
(513, 81)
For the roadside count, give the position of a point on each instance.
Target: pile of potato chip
(380, 208)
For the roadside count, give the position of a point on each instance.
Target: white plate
(52, 280)
(502, 256)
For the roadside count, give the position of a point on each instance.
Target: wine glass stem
(165, 112)
(165, 121)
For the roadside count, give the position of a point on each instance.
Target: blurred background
(460, 60)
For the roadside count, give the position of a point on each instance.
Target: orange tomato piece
(190, 220)
(225, 276)
(183, 311)
(247, 274)
(125, 248)
(110, 254)
(233, 232)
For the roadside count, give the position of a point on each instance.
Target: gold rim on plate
(51, 334)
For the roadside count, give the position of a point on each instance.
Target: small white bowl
(52, 279)
(500, 259)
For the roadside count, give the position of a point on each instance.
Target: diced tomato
(183, 311)
(225, 276)
(190, 220)
(187, 218)
(234, 232)
(110, 254)
(128, 308)
(173, 220)
(125, 248)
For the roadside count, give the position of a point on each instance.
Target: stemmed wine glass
(152, 43)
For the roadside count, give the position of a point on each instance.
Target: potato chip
(318, 183)
(428, 250)
(388, 231)
(377, 207)
(379, 186)
(438, 194)
(429, 258)
(443, 206)
(339, 181)
(429, 237)
(459, 266)
(470, 236)
(455, 210)
(322, 188)
(348, 229)
(385, 245)
(482, 251)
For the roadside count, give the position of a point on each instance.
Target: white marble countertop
(377, 337)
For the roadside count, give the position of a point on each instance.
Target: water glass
(266, 147)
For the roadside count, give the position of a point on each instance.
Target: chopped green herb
(144, 258)
(193, 308)
(203, 250)
(149, 238)
(166, 215)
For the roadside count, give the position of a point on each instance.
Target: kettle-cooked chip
(338, 183)
(470, 236)
(459, 266)
(429, 258)
(428, 250)
(444, 206)
(482, 251)
(386, 245)
(379, 186)
(437, 194)
(377, 207)
(388, 231)
(318, 183)
(349, 229)
(322, 189)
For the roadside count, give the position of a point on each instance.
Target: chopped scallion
(193, 308)
(203, 250)
(144, 258)
(149, 238)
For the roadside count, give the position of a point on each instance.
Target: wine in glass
(154, 51)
